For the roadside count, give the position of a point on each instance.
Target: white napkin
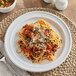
(4, 71)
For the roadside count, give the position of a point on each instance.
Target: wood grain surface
(70, 12)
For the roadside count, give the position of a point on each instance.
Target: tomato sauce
(6, 3)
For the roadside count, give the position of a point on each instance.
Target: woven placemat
(67, 68)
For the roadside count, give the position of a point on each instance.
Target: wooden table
(70, 12)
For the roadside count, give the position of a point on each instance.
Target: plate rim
(57, 18)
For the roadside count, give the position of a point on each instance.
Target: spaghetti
(37, 41)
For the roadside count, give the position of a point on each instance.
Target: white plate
(57, 24)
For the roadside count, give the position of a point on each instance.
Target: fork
(3, 59)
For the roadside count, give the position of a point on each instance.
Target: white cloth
(4, 71)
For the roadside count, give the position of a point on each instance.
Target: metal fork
(2, 58)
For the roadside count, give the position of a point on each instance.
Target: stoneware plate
(56, 23)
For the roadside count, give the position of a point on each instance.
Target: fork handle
(11, 69)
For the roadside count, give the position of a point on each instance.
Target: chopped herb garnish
(28, 37)
(1, 3)
(32, 58)
(8, 1)
(32, 61)
(61, 41)
(48, 29)
(37, 29)
(40, 25)
(34, 54)
(49, 34)
(52, 40)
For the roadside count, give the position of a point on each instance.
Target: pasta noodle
(37, 41)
